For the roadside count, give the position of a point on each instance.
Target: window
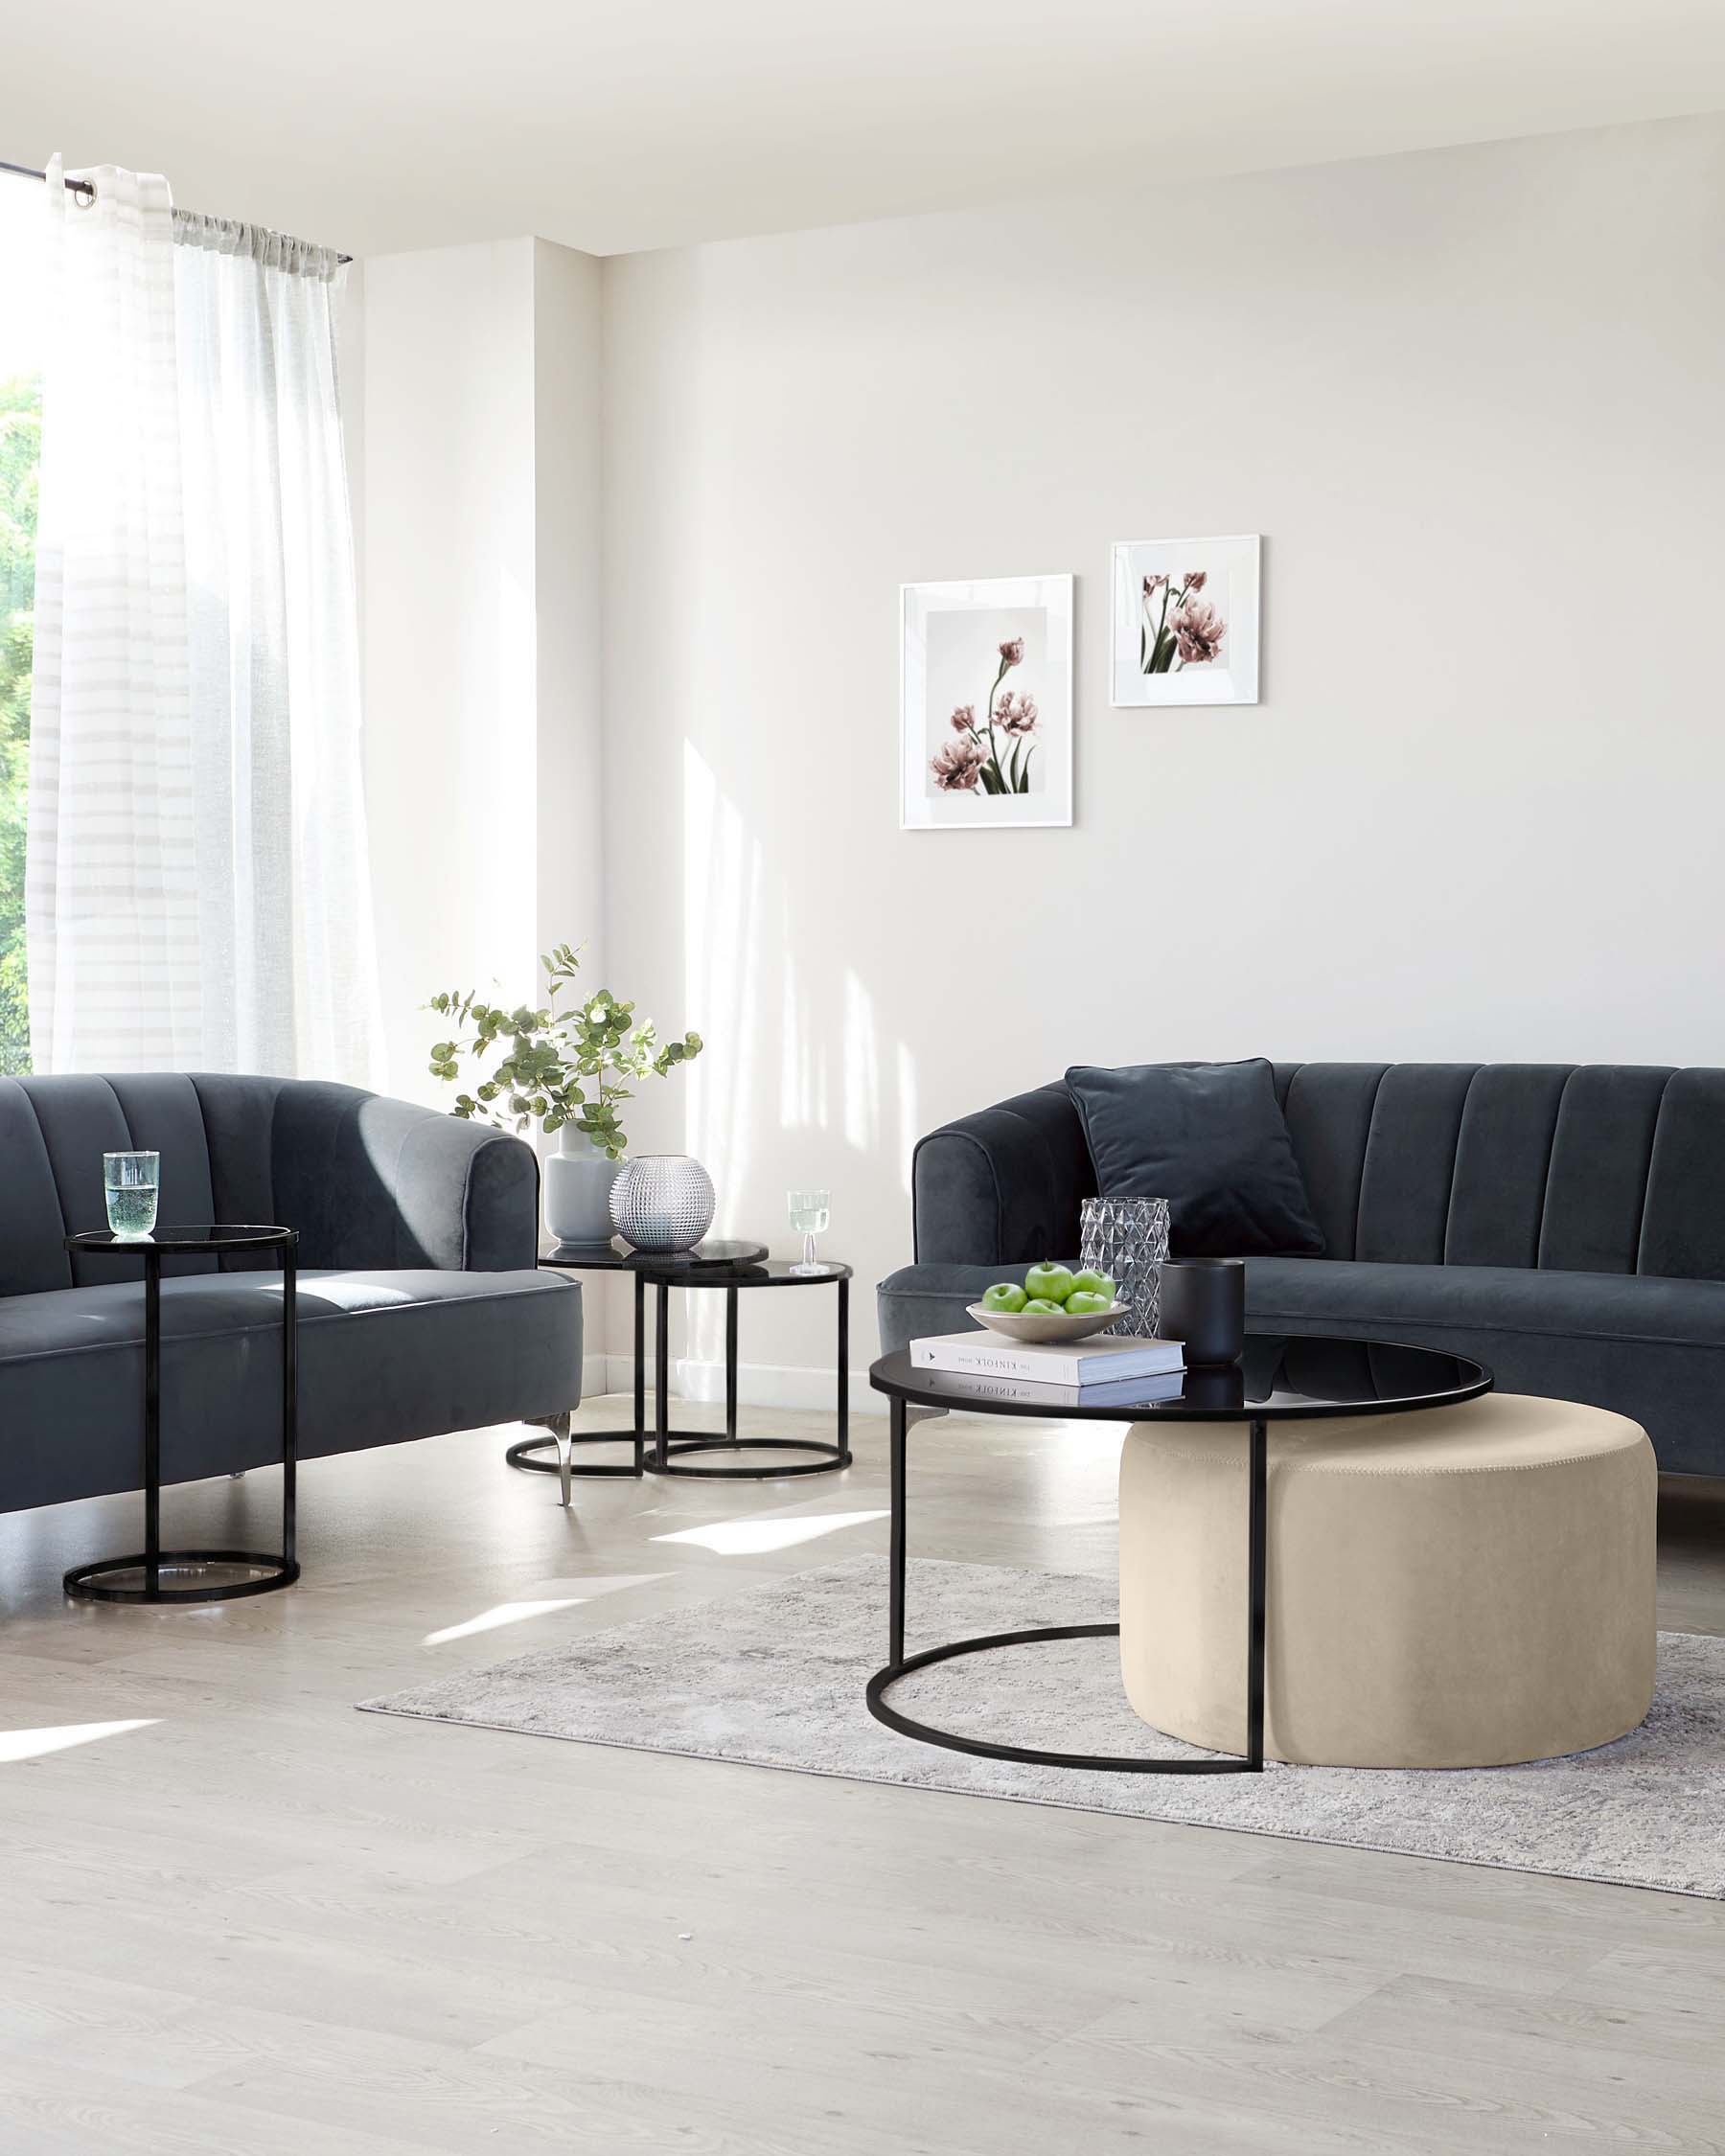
(20, 445)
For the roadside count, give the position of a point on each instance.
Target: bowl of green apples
(1054, 1303)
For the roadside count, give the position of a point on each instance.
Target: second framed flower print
(1185, 621)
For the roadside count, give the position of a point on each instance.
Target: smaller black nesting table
(100, 1581)
(736, 1268)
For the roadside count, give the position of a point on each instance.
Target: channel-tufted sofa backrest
(1572, 1168)
(367, 1181)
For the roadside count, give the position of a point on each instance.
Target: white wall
(1471, 399)
(569, 833)
(479, 569)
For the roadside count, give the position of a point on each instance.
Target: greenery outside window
(20, 447)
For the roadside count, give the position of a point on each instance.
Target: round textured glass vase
(662, 1201)
(1127, 1238)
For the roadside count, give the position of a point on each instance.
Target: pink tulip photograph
(987, 697)
(1185, 621)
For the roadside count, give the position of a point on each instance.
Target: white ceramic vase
(578, 1189)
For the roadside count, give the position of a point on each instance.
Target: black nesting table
(736, 1268)
(1278, 1379)
(110, 1578)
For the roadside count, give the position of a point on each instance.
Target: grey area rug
(773, 1676)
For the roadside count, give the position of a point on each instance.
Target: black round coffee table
(1279, 1379)
(267, 1571)
(736, 1267)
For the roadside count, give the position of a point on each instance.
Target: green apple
(1049, 1282)
(1091, 1283)
(1039, 1306)
(1004, 1294)
(1081, 1303)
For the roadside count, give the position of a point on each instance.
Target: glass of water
(810, 1212)
(130, 1181)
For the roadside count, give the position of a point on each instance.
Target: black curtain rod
(83, 186)
(29, 171)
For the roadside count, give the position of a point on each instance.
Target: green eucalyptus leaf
(557, 1066)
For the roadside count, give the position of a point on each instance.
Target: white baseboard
(759, 1384)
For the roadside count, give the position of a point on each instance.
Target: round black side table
(553, 1455)
(670, 1447)
(97, 1581)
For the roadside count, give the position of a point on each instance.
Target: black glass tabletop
(1280, 1378)
(200, 1236)
(622, 1257)
(764, 1273)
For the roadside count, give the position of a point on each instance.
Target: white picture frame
(955, 655)
(1185, 618)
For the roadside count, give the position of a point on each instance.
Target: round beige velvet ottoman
(1462, 1586)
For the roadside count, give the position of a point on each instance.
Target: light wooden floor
(264, 1922)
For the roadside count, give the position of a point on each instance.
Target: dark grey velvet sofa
(1563, 1224)
(422, 1308)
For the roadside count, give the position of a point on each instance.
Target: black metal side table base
(670, 1446)
(830, 1456)
(271, 1570)
(538, 1456)
(662, 1450)
(91, 1581)
(1028, 1755)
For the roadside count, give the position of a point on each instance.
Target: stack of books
(1105, 1371)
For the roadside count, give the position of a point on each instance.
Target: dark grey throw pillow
(1211, 1138)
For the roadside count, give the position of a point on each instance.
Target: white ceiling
(372, 125)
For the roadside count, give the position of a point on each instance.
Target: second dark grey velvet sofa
(421, 1307)
(1563, 1224)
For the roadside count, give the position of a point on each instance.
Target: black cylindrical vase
(1204, 1303)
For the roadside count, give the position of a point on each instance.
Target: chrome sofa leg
(559, 1426)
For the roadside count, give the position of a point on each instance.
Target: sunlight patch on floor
(35, 1744)
(549, 1594)
(752, 1538)
(500, 1613)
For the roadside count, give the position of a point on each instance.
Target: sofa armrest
(466, 1196)
(1002, 1187)
(369, 1182)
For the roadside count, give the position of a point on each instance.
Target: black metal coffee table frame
(1218, 1396)
(93, 1581)
(735, 1267)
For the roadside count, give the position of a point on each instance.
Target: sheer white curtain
(198, 888)
(285, 892)
(112, 864)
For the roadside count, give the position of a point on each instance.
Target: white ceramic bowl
(1047, 1324)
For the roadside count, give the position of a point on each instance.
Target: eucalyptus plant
(559, 1066)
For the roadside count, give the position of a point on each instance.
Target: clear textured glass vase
(1127, 1238)
(662, 1201)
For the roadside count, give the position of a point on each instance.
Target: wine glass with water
(130, 1181)
(810, 1212)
